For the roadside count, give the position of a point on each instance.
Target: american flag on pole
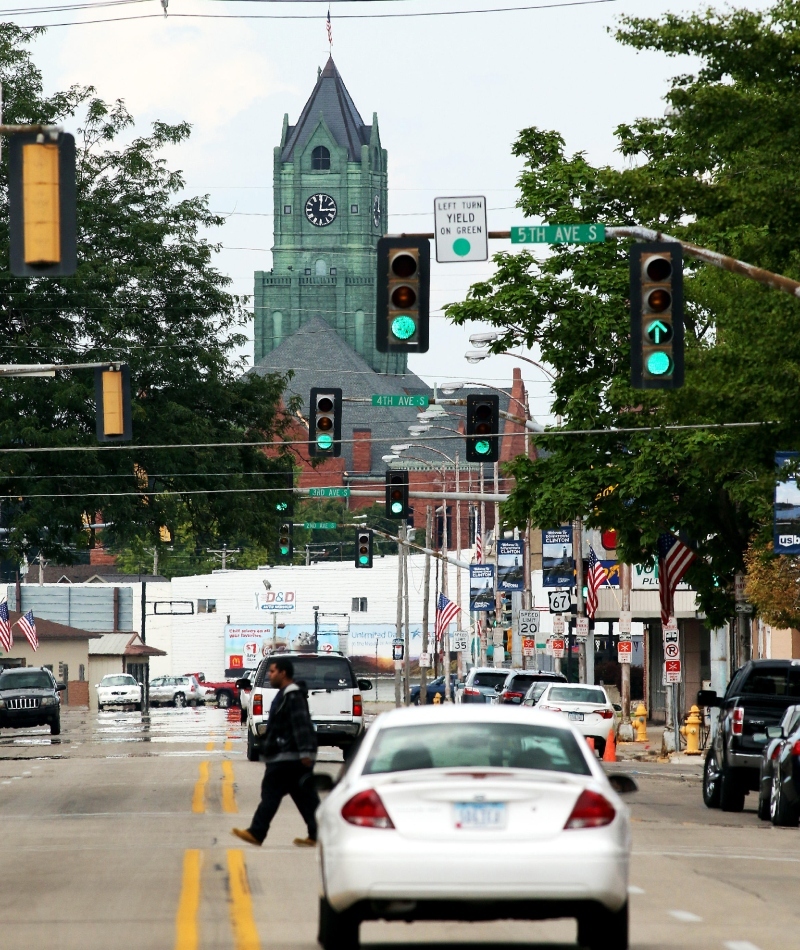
(445, 613)
(6, 637)
(330, 31)
(28, 626)
(595, 579)
(674, 560)
(478, 540)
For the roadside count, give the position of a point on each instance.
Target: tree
(146, 292)
(718, 168)
(773, 586)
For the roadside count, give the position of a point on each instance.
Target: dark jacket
(290, 732)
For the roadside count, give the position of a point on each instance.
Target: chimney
(362, 450)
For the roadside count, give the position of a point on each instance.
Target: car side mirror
(775, 732)
(323, 782)
(364, 685)
(623, 784)
(244, 684)
(708, 697)
(61, 687)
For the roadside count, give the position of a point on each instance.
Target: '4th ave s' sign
(460, 229)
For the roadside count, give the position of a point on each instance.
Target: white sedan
(421, 824)
(588, 708)
(118, 689)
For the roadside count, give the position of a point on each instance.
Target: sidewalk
(652, 750)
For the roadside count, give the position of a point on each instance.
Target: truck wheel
(337, 931)
(224, 700)
(711, 783)
(604, 929)
(731, 793)
(252, 751)
(763, 806)
(55, 727)
(782, 812)
(178, 700)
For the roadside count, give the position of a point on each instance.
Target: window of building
(333, 272)
(206, 606)
(359, 605)
(82, 672)
(353, 209)
(307, 271)
(320, 268)
(320, 159)
(287, 209)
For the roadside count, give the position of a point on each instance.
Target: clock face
(320, 210)
(376, 211)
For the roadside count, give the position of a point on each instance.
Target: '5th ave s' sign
(559, 234)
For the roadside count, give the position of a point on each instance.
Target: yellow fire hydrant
(691, 731)
(640, 722)
(436, 699)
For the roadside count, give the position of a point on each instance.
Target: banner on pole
(558, 566)
(481, 587)
(510, 560)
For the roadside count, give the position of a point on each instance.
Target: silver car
(175, 691)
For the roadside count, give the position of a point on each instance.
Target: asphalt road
(118, 835)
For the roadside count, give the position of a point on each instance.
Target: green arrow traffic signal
(658, 332)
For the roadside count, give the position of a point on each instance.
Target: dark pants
(286, 778)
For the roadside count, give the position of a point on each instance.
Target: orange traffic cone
(610, 751)
(590, 742)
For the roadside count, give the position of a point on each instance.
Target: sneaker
(305, 842)
(245, 835)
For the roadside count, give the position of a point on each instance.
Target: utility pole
(498, 602)
(482, 613)
(146, 684)
(426, 595)
(407, 634)
(625, 579)
(445, 591)
(459, 655)
(581, 607)
(398, 664)
(223, 554)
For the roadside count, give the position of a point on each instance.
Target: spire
(331, 102)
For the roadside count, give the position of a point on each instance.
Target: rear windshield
(773, 681)
(489, 679)
(523, 681)
(476, 745)
(32, 680)
(317, 672)
(563, 694)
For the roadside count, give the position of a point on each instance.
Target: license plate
(489, 816)
(575, 717)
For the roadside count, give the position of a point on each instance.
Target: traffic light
(285, 545)
(284, 506)
(483, 427)
(325, 423)
(164, 534)
(397, 495)
(656, 315)
(401, 321)
(41, 204)
(363, 547)
(112, 393)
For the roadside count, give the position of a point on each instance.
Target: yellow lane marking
(241, 907)
(228, 745)
(228, 795)
(199, 796)
(209, 746)
(186, 932)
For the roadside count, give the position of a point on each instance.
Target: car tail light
(605, 713)
(258, 705)
(358, 707)
(469, 691)
(367, 810)
(591, 811)
(777, 751)
(795, 750)
(513, 697)
(738, 720)
(550, 708)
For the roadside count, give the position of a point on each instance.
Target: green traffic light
(482, 447)
(284, 549)
(403, 327)
(281, 506)
(659, 363)
(397, 507)
(325, 442)
(364, 559)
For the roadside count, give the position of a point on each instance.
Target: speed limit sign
(528, 623)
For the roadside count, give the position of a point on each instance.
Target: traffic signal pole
(426, 596)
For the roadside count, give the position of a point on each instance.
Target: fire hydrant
(691, 731)
(436, 699)
(640, 721)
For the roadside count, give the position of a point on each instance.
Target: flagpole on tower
(330, 30)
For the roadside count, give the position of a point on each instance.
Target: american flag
(6, 637)
(478, 540)
(330, 31)
(674, 560)
(28, 627)
(445, 612)
(594, 581)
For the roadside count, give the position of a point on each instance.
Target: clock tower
(330, 196)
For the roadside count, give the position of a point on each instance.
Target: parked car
(464, 788)
(118, 689)
(225, 692)
(334, 699)
(434, 688)
(175, 691)
(481, 684)
(518, 682)
(779, 781)
(29, 696)
(587, 708)
(756, 698)
(534, 693)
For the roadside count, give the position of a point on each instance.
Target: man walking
(290, 747)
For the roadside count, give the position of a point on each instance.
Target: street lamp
(484, 339)
(476, 356)
(390, 458)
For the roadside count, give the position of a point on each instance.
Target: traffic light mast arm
(418, 547)
(35, 369)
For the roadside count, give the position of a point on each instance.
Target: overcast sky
(451, 93)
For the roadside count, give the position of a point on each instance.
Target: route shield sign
(560, 601)
(461, 230)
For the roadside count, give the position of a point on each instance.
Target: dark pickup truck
(756, 697)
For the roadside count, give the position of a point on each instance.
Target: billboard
(558, 567)
(787, 506)
(481, 587)
(247, 644)
(510, 561)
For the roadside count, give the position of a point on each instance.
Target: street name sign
(320, 525)
(461, 231)
(378, 399)
(624, 650)
(559, 234)
(560, 601)
(329, 492)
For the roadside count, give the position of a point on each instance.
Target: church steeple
(330, 191)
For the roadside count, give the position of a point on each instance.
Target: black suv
(518, 683)
(29, 697)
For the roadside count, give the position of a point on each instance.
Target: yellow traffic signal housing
(41, 195)
(112, 389)
(164, 534)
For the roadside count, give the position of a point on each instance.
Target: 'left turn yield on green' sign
(460, 229)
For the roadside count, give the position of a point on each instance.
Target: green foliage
(719, 168)
(146, 292)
